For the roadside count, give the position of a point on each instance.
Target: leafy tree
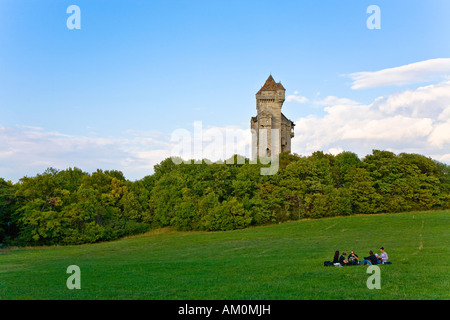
(74, 207)
(8, 206)
(344, 162)
(227, 215)
(361, 190)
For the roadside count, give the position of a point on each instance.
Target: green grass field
(282, 261)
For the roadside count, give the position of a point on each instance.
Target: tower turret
(269, 101)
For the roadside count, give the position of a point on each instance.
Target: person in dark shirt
(342, 259)
(336, 257)
(370, 260)
(353, 258)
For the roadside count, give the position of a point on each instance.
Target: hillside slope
(282, 261)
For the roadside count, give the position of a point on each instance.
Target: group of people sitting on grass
(354, 260)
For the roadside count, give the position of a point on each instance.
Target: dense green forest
(75, 207)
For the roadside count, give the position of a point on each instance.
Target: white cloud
(445, 158)
(445, 115)
(393, 129)
(30, 150)
(428, 70)
(416, 121)
(335, 151)
(27, 151)
(296, 98)
(335, 101)
(212, 143)
(440, 135)
(425, 101)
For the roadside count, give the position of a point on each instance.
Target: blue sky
(108, 95)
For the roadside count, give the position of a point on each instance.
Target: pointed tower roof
(271, 85)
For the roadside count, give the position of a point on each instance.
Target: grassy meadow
(283, 261)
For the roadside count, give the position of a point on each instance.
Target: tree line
(75, 207)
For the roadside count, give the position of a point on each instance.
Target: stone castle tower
(269, 101)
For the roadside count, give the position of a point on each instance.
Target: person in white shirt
(384, 255)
